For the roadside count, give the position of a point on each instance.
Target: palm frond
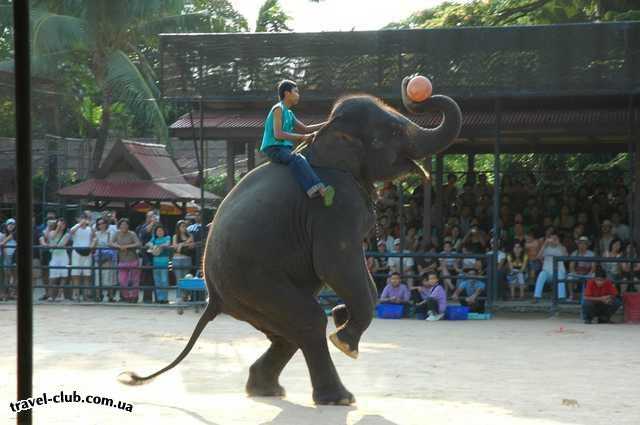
(52, 33)
(129, 86)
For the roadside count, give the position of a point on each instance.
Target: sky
(338, 15)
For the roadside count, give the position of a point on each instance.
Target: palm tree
(110, 38)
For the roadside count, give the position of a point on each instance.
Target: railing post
(554, 286)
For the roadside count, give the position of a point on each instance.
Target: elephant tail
(210, 313)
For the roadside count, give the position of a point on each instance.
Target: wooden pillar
(439, 213)
(426, 210)
(251, 156)
(231, 166)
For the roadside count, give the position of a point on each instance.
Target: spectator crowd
(100, 250)
(539, 219)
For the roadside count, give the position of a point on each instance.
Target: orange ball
(419, 88)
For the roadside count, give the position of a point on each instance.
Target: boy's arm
(302, 128)
(283, 135)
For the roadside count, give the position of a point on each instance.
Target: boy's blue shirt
(288, 124)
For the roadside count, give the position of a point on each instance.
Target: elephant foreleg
(264, 373)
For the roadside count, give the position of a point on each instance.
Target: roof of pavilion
(139, 172)
(566, 87)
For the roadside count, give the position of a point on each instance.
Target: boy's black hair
(425, 275)
(285, 86)
(394, 274)
(600, 272)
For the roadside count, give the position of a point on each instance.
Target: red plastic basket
(631, 302)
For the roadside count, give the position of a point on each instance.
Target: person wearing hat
(7, 249)
(580, 271)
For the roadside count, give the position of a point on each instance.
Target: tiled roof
(134, 190)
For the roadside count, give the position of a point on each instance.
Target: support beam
(231, 166)
(25, 202)
(471, 167)
(493, 293)
(439, 213)
(251, 156)
(426, 207)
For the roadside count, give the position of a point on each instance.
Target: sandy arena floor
(515, 370)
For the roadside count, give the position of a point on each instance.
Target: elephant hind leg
(264, 373)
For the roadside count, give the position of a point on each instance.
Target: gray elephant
(271, 248)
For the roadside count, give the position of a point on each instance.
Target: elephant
(271, 248)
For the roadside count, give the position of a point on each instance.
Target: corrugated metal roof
(134, 190)
(510, 119)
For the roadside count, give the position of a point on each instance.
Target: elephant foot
(261, 387)
(343, 346)
(340, 315)
(340, 397)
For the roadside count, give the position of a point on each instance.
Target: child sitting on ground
(430, 298)
(278, 137)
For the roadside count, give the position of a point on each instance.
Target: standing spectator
(45, 255)
(430, 298)
(581, 270)
(476, 239)
(483, 187)
(565, 221)
(81, 236)
(551, 248)
(145, 233)
(183, 247)
(456, 238)
(606, 236)
(199, 233)
(613, 270)
(472, 289)
(8, 244)
(449, 192)
(127, 242)
(104, 258)
(589, 229)
(600, 299)
(517, 265)
(159, 245)
(57, 240)
(395, 292)
(465, 219)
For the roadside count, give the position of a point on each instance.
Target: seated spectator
(502, 269)
(467, 262)
(600, 299)
(630, 271)
(532, 246)
(606, 236)
(613, 270)
(449, 267)
(472, 289)
(551, 248)
(565, 221)
(407, 262)
(395, 292)
(430, 298)
(517, 266)
(476, 239)
(380, 267)
(620, 230)
(580, 271)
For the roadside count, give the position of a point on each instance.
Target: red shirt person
(600, 299)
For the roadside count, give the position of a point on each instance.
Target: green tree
(272, 18)
(520, 12)
(115, 43)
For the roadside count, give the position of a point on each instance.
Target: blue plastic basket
(454, 312)
(195, 284)
(389, 311)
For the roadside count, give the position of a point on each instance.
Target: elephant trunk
(428, 141)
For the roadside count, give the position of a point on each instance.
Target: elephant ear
(338, 149)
